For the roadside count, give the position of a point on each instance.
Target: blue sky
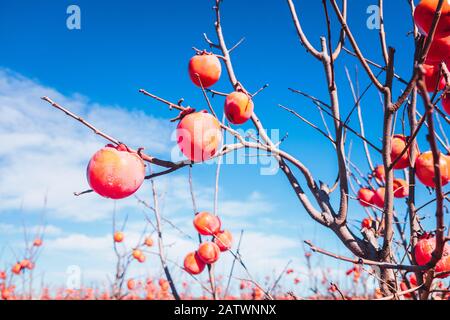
(127, 45)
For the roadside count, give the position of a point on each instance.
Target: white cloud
(44, 153)
(253, 205)
(11, 229)
(175, 196)
(80, 242)
(6, 228)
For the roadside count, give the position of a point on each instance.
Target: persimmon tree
(23, 268)
(200, 134)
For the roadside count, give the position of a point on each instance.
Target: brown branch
(308, 122)
(413, 23)
(431, 33)
(80, 119)
(409, 143)
(377, 65)
(170, 104)
(162, 255)
(318, 216)
(145, 157)
(265, 86)
(338, 290)
(279, 277)
(210, 43)
(77, 194)
(430, 202)
(351, 130)
(234, 263)
(303, 39)
(388, 213)
(440, 224)
(355, 46)
(206, 96)
(368, 262)
(216, 93)
(438, 138)
(414, 224)
(356, 245)
(361, 122)
(421, 54)
(399, 294)
(310, 97)
(341, 41)
(382, 33)
(236, 45)
(341, 216)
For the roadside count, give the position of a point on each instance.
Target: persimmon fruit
(208, 252)
(404, 287)
(164, 285)
(193, 264)
(433, 77)
(439, 50)
(401, 188)
(365, 197)
(148, 242)
(224, 240)
(6, 294)
(379, 173)
(114, 172)
(205, 66)
(238, 107)
(131, 284)
(25, 263)
(16, 268)
(423, 253)
(378, 197)
(412, 282)
(425, 169)
(118, 236)
(206, 223)
(141, 258)
(199, 136)
(413, 279)
(137, 253)
(366, 224)
(398, 144)
(424, 15)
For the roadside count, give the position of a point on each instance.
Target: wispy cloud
(13, 229)
(44, 154)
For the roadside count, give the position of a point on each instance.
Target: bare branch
(303, 39)
(361, 261)
(355, 46)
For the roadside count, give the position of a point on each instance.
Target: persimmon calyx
(183, 114)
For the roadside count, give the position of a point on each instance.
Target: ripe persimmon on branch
(117, 171)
